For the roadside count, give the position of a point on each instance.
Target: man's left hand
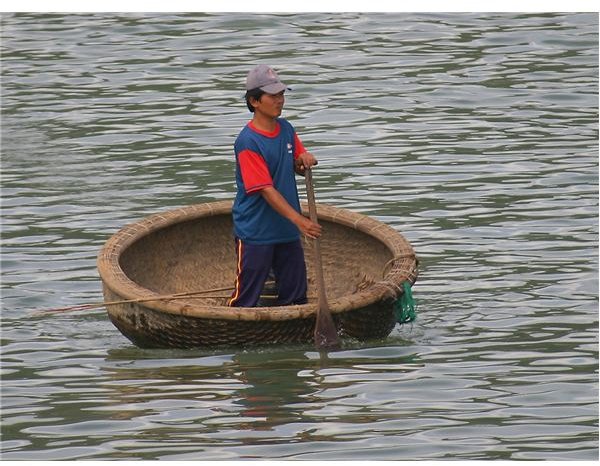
(304, 161)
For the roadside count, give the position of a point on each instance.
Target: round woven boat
(174, 270)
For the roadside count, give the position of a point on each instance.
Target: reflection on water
(475, 135)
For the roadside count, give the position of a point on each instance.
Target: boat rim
(115, 279)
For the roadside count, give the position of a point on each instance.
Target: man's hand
(304, 161)
(309, 228)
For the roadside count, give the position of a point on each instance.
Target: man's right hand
(309, 228)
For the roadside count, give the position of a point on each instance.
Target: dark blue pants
(255, 261)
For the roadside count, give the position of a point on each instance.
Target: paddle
(325, 331)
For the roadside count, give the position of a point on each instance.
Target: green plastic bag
(405, 307)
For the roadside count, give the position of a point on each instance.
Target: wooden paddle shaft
(325, 331)
(316, 243)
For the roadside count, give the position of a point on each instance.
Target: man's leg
(253, 266)
(290, 273)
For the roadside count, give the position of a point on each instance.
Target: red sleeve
(299, 146)
(254, 170)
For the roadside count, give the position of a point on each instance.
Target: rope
(170, 297)
(85, 307)
(407, 255)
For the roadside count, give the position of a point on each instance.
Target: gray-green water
(475, 135)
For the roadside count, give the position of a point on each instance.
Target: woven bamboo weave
(191, 249)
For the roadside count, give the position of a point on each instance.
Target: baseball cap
(264, 78)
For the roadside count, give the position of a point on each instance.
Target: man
(266, 213)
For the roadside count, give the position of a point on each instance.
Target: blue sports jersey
(265, 159)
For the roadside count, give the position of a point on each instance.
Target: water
(475, 135)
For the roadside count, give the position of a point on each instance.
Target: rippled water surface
(475, 135)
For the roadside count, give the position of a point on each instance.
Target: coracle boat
(166, 280)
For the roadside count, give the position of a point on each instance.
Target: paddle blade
(326, 336)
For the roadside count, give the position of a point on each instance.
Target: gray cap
(264, 78)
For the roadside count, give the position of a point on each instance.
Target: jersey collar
(268, 134)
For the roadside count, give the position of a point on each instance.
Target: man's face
(270, 105)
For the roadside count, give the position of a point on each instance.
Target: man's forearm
(280, 205)
(283, 208)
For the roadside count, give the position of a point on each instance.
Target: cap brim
(274, 88)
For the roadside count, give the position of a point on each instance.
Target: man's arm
(282, 207)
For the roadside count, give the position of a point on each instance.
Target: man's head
(262, 80)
